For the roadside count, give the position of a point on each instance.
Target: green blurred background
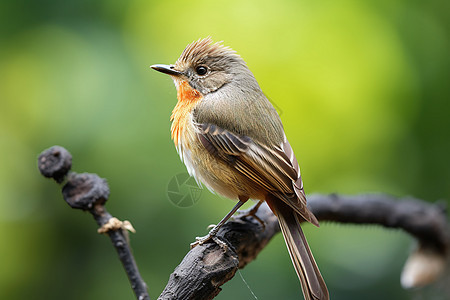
(362, 87)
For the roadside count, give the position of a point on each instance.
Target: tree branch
(206, 267)
(89, 192)
(426, 222)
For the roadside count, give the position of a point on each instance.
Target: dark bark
(208, 266)
(89, 192)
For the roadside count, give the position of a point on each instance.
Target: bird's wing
(275, 168)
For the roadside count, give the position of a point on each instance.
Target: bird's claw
(210, 235)
(258, 219)
(252, 213)
(200, 240)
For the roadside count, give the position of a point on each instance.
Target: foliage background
(362, 88)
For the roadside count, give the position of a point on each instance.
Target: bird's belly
(216, 174)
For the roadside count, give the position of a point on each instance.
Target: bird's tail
(313, 285)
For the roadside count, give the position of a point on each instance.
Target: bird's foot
(252, 213)
(211, 235)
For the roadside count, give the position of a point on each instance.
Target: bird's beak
(167, 69)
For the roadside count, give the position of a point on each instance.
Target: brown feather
(313, 285)
(271, 169)
(231, 138)
(194, 52)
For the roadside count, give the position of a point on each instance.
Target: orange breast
(187, 98)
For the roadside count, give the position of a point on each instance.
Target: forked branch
(207, 267)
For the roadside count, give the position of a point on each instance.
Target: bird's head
(206, 66)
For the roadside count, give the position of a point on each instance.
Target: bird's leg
(252, 213)
(213, 232)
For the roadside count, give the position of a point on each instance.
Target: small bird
(231, 138)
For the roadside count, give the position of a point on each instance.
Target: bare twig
(206, 267)
(89, 192)
(427, 222)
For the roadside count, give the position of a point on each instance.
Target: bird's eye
(201, 70)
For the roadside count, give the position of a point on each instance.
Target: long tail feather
(313, 285)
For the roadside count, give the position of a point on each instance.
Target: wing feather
(275, 168)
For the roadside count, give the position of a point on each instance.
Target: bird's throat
(188, 97)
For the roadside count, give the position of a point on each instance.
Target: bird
(231, 139)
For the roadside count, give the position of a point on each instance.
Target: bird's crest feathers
(204, 48)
